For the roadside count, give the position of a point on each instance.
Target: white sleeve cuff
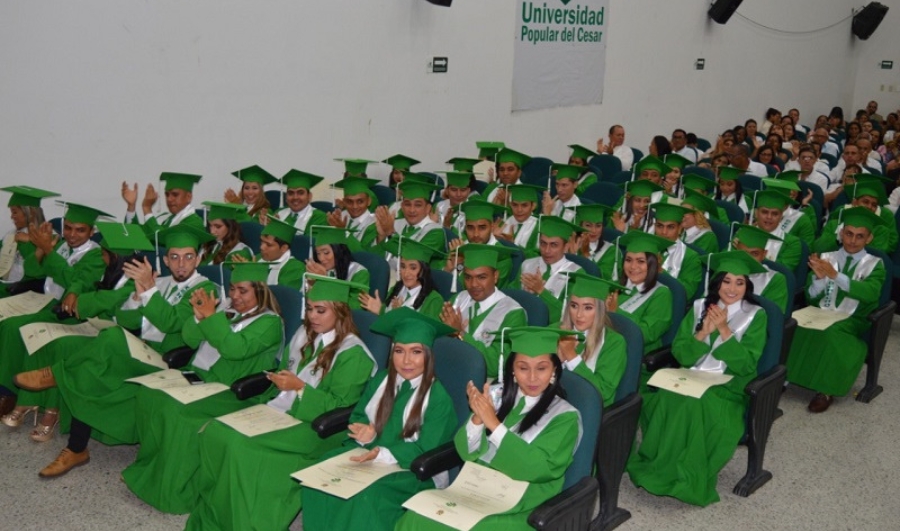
(573, 363)
(385, 456)
(129, 216)
(817, 286)
(473, 435)
(498, 435)
(843, 281)
(145, 296)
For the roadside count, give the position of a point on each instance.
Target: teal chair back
(379, 272)
(455, 364)
(733, 210)
(774, 328)
(535, 309)
(679, 306)
(637, 154)
(634, 349)
(791, 281)
(888, 266)
(300, 247)
(324, 206)
(586, 263)
(385, 194)
(517, 258)
(379, 345)
(274, 198)
(584, 397)
(604, 193)
(605, 165)
(251, 232)
(443, 281)
(290, 301)
(219, 274)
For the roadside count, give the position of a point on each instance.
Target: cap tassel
(222, 279)
(731, 234)
(753, 207)
(615, 275)
(454, 283)
(399, 253)
(565, 295)
(156, 241)
(303, 290)
(706, 277)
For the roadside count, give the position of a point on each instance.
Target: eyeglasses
(181, 257)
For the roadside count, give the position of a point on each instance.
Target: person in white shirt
(740, 158)
(616, 147)
(566, 200)
(680, 147)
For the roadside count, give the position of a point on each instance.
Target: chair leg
(881, 328)
(765, 393)
(617, 432)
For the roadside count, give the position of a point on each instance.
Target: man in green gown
(25, 209)
(298, 197)
(356, 215)
(591, 218)
(479, 216)
(768, 213)
(275, 250)
(415, 222)
(679, 261)
(867, 193)
(769, 284)
(179, 193)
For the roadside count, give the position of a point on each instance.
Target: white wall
(872, 83)
(97, 91)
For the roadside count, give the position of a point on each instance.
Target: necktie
(473, 311)
(847, 265)
(546, 275)
(409, 230)
(516, 414)
(404, 387)
(291, 219)
(516, 230)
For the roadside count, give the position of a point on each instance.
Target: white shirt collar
(282, 259)
(325, 339)
(413, 293)
(415, 382)
(488, 302)
(530, 401)
(302, 210)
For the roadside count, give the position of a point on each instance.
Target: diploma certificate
(8, 253)
(687, 382)
(258, 419)
(478, 492)
(173, 383)
(815, 318)
(23, 304)
(342, 477)
(37, 335)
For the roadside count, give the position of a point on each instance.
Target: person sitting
(520, 227)
(275, 250)
(769, 284)
(252, 196)
(415, 288)
(223, 222)
(768, 213)
(616, 147)
(697, 229)
(25, 210)
(415, 222)
(591, 244)
(298, 197)
(458, 191)
(580, 157)
(679, 261)
(601, 357)
(480, 222)
(645, 300)
(545, 275)
(482, 308)
(566, 200)
(509, 172)
(686, 440)
(671, 181)
(231, 343)
(867, 192)
(729, 188)
(332, 257)
(355, 215)
(532, 436)
(635, 214)
(92, 380)
(848, 281)
(400, 166)
(797, 220)
(179, 193)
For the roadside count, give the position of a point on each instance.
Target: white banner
(560, 53)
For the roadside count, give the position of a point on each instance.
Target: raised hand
(130, 195)
(150, 198)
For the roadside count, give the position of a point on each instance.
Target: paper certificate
(143, 352)
(478, 492)
(37, 335)
(8, 253)
(23, 304)
(342, 477)
(687, 382)
(815, 318)
(173, 383)
(258, 419)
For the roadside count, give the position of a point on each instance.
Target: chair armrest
(573, 508)
(22, 286)
(250, 386)
(332, 422)
(435, 461)
(178, 357)
(660, 359)
(771, 379)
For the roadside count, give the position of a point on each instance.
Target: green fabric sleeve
(341, 387)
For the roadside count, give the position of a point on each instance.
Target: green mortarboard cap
(458, 179)
(533, 341)
(463, 164)
(595, 213)
(355, 185)
(566, 171)
(184, 235)
(780, 185)
(735, 262)
(692, 181)
(279, 229)
(409, 249)
(674, 160)
(651, 163)
(233, 211)
(405, 325)
(83, 214)
(873, 177)
(643, 242)
(401, 162)
(249, 271)
(585, 285)
(300, 179)
(180, 181)
(417, 190)
(418, 177)
(488, 149)
(334, 290)
(328, 235)
(355, 167)
(641, 188)
(484, 255)
(123, 238)
(730, 173)
(510, 155)
(581, 152)
(669, 212)
(557, 227)
(861, 217)
(753, 237)
(26, 196)
(255, 174)
(792, 175)
(525, 192)
(701, 202)
(772, 199)
(476, 209)
(867, 187)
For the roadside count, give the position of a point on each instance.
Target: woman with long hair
(415, 288)
(223, 222)
(659, 146)
(601, 357)
(697, 229)
(231, 344)
(332, 258)
(252, 194)
(403, 413)
(728, 187)
(533, 434)
(687, 440)
(24, 211)
(645, 300)
(244, 482)
(635, 214)
(590, 242)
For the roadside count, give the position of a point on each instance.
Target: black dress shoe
(7, 404)
(820, 403)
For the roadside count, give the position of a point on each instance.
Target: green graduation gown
(683, 263)
(773, 286)
(315, 217)
(286, 271)
(554, 282)
(30, 267)
(504, 312)
(163, 471)
(431, 306)
(430, 234)
(605, 367)
(785, 252)
(652, 312)
(686, 440)
(378, 507)
(152, 224)
(884, 236)
(704, 239)
(828, 361)
(539, 456)
(605, 258)
(240, 249)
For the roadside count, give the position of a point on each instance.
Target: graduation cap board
(333, 289)
(233, 211)
(27, 196)
(405, 325)
(300, 179)
(184, 235)
(255, 174)
(123, 238)
(76, 213)
(401, 162)
(249, 271)
(581, 152)
(180, 181)
(355, 167)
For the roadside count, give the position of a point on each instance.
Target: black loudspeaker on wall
(721, 10)
(867, 20)
(445, 3)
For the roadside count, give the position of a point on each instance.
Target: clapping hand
(362, 433)
(204, 304)
(482, 406)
